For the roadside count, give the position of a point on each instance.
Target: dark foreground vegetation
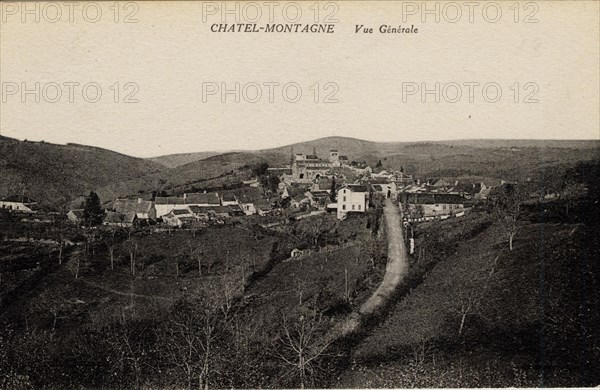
(476, 313)
(226, 306)
(219, 307)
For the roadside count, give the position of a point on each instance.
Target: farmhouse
(224, 212)
(178, 217)
(352, 198)
(75, 216)
(299, 200)
(433, 204)
(263, 207)
(229, 199)
(200, 213)
(164, 204)
(20, 203)
(143, 209)
(318, 198)
(247, 198)
(202, 199)
(127, 219)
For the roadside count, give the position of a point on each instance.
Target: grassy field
(527, 316)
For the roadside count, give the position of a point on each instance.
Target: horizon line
(309, 140)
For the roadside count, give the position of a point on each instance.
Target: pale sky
(170, 53)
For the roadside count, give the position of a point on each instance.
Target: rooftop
(168, 200)
(430, 198)
(18, 199)
(211, 198)
(125, 206)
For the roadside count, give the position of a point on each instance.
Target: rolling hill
(177, 160)
(55, 174)
(215, 171)
(409, 152)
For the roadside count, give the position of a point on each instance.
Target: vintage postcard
(299, 194)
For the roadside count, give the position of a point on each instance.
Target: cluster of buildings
(191, 209)
(309, 184)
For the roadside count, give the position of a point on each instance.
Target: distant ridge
(360, 147)
(58, 174)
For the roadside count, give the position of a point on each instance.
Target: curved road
(396, 270)
(397, 264)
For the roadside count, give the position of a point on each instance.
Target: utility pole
(346, 284)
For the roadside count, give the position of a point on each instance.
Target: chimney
(139, 200)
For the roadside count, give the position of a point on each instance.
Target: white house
(352, 198)
(18, 203)
(431, 205)
(164, 205)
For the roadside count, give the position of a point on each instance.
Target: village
(310, 185)
(307, 240)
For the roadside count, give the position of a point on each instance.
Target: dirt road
(396, 270)
(397, 264)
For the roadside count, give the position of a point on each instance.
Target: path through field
(125, 293)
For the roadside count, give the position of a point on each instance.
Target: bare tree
(127, 351)
(132, 247)
(111, 253)
(468, 293)
(53, 303)
(508, 211)
(187, 340)
(232, 283)
(299, 346)
(74, 265)
(196, 253)
(316, 228)
(61, 246)
(111, 246)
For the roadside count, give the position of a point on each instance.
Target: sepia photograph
(299, 194)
